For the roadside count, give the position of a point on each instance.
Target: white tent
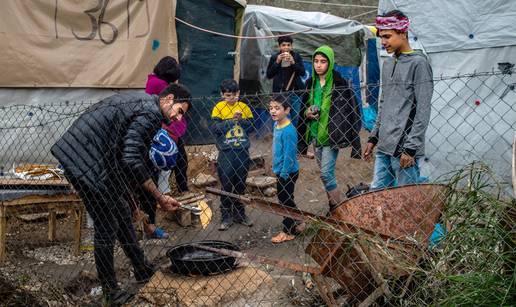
(473, 118)
(346, 37)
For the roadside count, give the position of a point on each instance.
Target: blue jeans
(326, 158)
(232, 168)
(388, 172)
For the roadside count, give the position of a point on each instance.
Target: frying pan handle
(261, 259)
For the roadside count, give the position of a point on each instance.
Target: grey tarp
(345, 36)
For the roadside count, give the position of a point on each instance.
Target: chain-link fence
(279, 211)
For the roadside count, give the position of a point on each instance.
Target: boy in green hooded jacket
(331, 119)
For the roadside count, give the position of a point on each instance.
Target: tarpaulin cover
(345, 36)
(84, 43)
(442, 25)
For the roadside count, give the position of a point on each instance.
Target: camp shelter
(67, 55)
(346, 37)
(474, 116)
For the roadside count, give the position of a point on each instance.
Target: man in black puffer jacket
(105, 155)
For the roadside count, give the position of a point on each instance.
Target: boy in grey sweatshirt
(404, 109)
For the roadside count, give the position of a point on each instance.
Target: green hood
(328, 52)
(320, 127)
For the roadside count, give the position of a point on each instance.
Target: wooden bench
(38, 196)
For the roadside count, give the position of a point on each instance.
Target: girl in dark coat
(331, 119)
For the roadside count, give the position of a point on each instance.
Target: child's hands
(237, 115)
(368, 153)
(289, 58)
(285, 56)
(312, 113)
(406, 161)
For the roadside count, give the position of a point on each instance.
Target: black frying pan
(187, 259)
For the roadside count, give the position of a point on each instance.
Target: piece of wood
(78, 218)
(183, 217)
(324, 290)
(192, 200)
(34, 182)
(42, 199)
(377, 293)
(40, 208)
(377, 276)
(187, 196)
(52, 221)
(3, 233)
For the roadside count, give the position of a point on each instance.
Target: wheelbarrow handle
(294, 213)
(276, 208)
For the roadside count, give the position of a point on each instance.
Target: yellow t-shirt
(224, 111)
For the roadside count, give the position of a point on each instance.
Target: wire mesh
(443, 234)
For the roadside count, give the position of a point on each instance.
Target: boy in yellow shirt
(231, 119)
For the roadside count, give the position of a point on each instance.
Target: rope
(368, 12)
(238, 36)
(335, 4)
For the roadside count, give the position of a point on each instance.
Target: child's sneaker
(225, 225)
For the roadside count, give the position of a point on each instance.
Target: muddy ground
(44, 273)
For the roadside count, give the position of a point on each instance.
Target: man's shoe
(115, 297)
(225, 225)
(145, 273)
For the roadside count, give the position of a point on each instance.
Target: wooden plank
(325, 290)
(372, 297)
(188, 195)
(183, 217)
(52, 221)
(42, 199)
(40, 208)
(34, 182)
(78, 216)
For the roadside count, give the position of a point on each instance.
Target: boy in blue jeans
(404, 109)
(284, 163)
(231, 119)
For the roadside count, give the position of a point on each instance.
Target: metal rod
(261, 259)
(276, 208)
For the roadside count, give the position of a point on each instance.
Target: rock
(269, 192)
(261, 182)
(203, 180)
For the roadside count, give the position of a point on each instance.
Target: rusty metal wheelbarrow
(365, 240)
